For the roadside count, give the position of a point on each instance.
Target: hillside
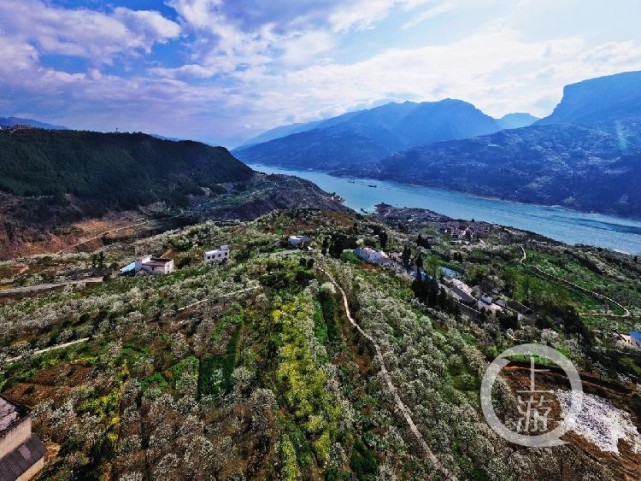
(58, 188)
(516, 120)
(369, 135)
(299, 364)
(599, 102)
(13, 121)
(584, 156)
(567, 165)
(111, 171)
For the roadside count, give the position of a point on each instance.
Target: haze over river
(558, 223)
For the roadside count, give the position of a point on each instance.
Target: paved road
(391, 388)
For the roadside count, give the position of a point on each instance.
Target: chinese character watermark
(535, 408)
(534, 405)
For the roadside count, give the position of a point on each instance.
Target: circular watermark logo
(534, 405)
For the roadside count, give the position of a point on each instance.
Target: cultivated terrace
(252, 369)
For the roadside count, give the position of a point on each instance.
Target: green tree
(383, 238)
(406, 257)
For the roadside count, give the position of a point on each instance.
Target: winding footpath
(596, 295)
(49, 349)
(49, 286)
(111, 231)
(391, 388)
(222, 296)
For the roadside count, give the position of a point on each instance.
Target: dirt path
(391, 388)
(111, 231)
(202, 301)
(46, 287)
(596, 295)
(52, 348)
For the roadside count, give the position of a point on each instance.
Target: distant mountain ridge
(369, 135)
(599, 102)
(517, 120)
(13, 121)
(585, 155)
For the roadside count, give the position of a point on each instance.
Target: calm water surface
(558, 223)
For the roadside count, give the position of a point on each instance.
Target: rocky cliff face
(599, 102)
(578, 167)
(586, 155)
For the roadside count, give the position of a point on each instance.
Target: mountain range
(517, 120)
(51, 181)
(368, 135)
(13, 121)
(583, 156)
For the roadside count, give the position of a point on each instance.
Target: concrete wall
(32, 471)
(14, 438)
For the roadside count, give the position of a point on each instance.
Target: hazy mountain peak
(364, 136)
(599, 100)
(517, 120)
(12, 121)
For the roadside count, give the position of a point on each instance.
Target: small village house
(217, 256)
(635, 339)
(372, 256)
(298, 240)
(154, 265)
(21, 451)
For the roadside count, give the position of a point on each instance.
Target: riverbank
(559, 223)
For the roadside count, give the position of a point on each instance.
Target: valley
(556, 222)
(336, 240)
(289, 363)
(584, 156)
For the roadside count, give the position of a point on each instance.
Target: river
(565, 225)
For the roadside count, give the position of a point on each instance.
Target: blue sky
(224, 70)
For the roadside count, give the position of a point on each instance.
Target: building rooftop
(157, 261)
(9, 414)
(462, 295)
(220, 249)
(20, 460)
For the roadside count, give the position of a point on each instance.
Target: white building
(372, 255)
(154, 265)
(297, 240)
(21, 451)
(217, 256)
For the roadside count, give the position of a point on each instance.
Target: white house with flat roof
(217, 256)
(297, 240)
(154, 265)
(21, 452)
(372, 256)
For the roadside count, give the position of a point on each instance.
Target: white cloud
(16, 56)
(256, 63)
(83, 33)
(200, 14)
(497, 71)
(431, 12)
(364, 14)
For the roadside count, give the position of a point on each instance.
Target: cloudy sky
(224, 70)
